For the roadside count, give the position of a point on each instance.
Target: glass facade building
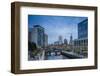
(81, 44)
(83, 29)
(38, 36)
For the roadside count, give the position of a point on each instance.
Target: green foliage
(32, 46)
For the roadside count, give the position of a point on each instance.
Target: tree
(31, 46)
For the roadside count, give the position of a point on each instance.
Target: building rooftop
(83, 21)
(38, 26)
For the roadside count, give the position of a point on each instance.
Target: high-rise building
(71, 40)
(46, 40)
(29, 33)
(83, 29)
(65, 41)
(81, 44)
(60, 39)
(37, 35)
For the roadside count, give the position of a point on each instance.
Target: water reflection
(53, 57)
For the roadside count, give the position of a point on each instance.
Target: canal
(56, 57)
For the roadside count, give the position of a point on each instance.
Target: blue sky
(56, 25)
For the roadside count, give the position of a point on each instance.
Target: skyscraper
(65, 41)
(81, 44)
(60, 39)
(37, 35)
(83, 29)
(46, 40)
(71, 39)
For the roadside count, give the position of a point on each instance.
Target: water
(56, 57)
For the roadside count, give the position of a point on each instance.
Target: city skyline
(56, 26)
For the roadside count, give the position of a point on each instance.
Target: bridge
(57, 54)
(53, 53)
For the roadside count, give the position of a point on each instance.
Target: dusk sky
(56, 26)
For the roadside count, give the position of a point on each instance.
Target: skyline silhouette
(56, 25)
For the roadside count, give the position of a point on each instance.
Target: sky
(56, 26)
